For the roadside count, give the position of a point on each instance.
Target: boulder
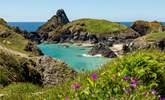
(144, 27)
(102, 49)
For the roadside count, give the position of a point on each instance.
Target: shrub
(139, 76)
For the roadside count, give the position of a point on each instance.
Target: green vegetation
(2, 21)
(4, 74)
(136, 76)
(12, 40)
(95, 26)
(14, 68)
(15, 41)
(155, 36)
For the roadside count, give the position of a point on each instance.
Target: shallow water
(76, 57)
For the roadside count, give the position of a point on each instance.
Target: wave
(86, 55)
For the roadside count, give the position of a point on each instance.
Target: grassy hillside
(155, 36)
(92, 26)
(95, 26)
(136, 76)
(14, 68)
(11, 39)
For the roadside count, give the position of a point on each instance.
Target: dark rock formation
(103, 50)
(4, 33)
(108, 39)
(163, 28)
(55, 22)
(140, 43)
(144, 27)
(62, 16)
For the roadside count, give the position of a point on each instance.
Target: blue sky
(114, 10)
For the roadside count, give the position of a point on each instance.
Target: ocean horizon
(33, 26)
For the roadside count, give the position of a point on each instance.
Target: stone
(102, 49)
(144, 27)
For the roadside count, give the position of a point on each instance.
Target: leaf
(90, 81)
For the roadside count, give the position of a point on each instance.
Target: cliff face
(152, 40)
(144, 27)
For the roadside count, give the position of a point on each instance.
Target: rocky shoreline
(60, 30)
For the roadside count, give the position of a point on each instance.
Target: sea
(33, 26)
(76, 57)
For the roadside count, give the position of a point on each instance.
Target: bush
(138, 76)
(3, 76)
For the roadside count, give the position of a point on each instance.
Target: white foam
(86, 55)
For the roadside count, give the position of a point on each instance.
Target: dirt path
(13, 52)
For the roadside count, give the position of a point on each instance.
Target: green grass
(147, 66)
(155, 36)
(2, 21)
(14, 41)
(95, 26)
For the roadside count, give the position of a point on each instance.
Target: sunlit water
(76, 57)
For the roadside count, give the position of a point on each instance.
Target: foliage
(14, 68)
(155, 36)
(136, 76)
(95, 26)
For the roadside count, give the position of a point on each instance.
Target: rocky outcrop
(144, 27)
(153, 40)
(14, 68)
(163, 28)
(38, 70)
(55, 22)
(4, 33)
(102, 49)
(135, 45)
(108, 39)
(53, 71)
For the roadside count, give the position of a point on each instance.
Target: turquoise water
(73, 56)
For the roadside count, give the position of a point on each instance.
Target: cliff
(145, 27)
(152, 40)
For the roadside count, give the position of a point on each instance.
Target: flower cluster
(133, 85)
(77, 85)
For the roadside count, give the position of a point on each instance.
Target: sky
(114, 10)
